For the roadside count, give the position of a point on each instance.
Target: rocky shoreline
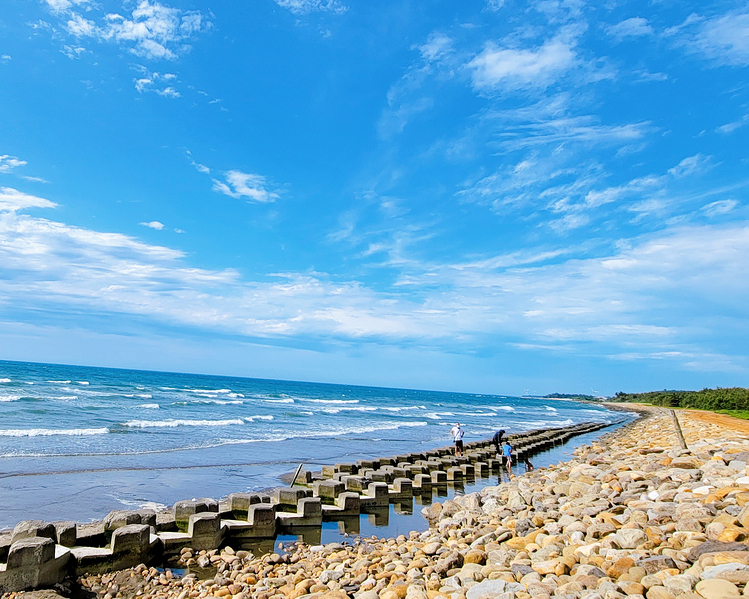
(629, 516)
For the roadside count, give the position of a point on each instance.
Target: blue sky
(489, 196)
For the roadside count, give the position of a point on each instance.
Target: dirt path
(723, 420)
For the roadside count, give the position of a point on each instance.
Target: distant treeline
(733, 398)
(569, 396)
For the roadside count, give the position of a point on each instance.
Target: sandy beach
(629, 516)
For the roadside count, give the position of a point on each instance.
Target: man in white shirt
(457, 434)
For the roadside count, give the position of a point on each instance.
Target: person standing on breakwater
(497, 440)
(507, 452)
(457, 434)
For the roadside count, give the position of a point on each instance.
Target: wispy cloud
(556, 298)
(250, 186)
(303, 7)
(12, 200)
(719, 207)
(723, 40)
(699, 163)
(734, 125)
(634, 27)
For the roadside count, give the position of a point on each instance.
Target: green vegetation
(727, 400)
(743, 414)
(570, 396)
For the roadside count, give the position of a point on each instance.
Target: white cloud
(156, 83)
(8, 163)
(437, 46)
(634, 27)
(517, 68)
(692, 165)
(621, 300)
(303, 7)
(719, 207)
(12, 200)
(63, 5)
(154, 224)
(80, 27)
(151, 30)
(733, 126)
(724, 40)
(245, 185)
(5, 58)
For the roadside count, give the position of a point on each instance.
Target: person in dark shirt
(497, 440)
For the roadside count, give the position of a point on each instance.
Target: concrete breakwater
(38, 553)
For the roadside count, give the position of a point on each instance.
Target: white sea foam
(550, 409)
(5, 381)
(402, 408)
(333, 401)
(505, 408)
(210, 391)
(286, 400)
(324, 433)
(83, 383)
(348, 409)
(175, 423)
(218, 402)
(10, 397)
(60, 382)
(48, 432)
(149, 406)
(145, 396)
(66, 397)
(258, 417)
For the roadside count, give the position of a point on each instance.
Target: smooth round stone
(717, 589)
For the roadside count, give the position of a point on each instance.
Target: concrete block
(205, 530)
(468, 470)
(328, 471)
(66, 533)
(308, 513)
(439, 477)
(186, 508)
(288, 496)
(33, 528)
(356, 484)
(402, 488)
(368, 464)
(377, 495)
(347, 468)
(131, 539)
(147, 517)
(327, 490)
(422, 483)
(262, 517)
(30, 551)
(239, 503)
(455, 473)
(119, 518)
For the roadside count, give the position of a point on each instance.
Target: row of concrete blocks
(41, 554)
(476, 453)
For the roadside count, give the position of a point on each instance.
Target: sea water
(77, 442)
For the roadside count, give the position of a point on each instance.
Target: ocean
(77, 442)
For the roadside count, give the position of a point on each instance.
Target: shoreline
(630, 515)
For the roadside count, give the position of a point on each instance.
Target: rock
(656, 563)
(716, 589)
(733, 572)
(486, 589)
(629, 538)
(658, 592)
